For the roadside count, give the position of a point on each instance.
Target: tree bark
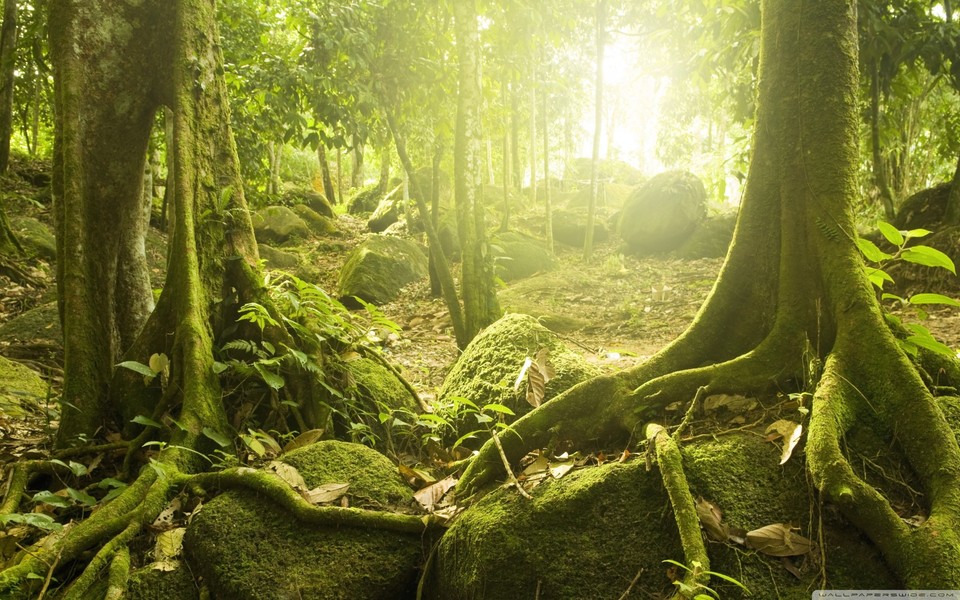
(328, 189)
(356, 176)
(8, 55)
(507, 159)
(601, 41)
(952, 214)
(879, 164)
(547, 199)
(477, 282)
(793, 310)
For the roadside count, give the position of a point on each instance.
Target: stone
(36, 237)
(663, 212)
(516, 256)
(379, 267)
(313, 200)
(570, 228)
(278, 224)
(710, 239)
(318, 223)
(278, 259)
(22, 390)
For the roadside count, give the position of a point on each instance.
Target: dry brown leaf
(165, 519)
(778, 539)
(559, 469)
(328, 492)
(783, 427)
(288, 473)
(712, 520)
(431, 495)
(304, 439)
(791, 443)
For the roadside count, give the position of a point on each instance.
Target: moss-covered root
(684, 510)
(280, 492)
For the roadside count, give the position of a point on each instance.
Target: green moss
(152, 584)
(517, 256)
(246, 548)
(379, 390)
(21, 389)
(587, 535)
(35, 237)
(489, 366)
(379, 267)
(318, 224)
(37, 324)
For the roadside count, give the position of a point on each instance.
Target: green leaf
(48, 497)
(929, 343)
(871, 252)
(222, 440)
(269, 377)
(877, 276)
(38, 520)
(917, 233)
(76, 468)
(893, 297)
(498, 408)
(890, 232)
(254, 444)
(933, 299)
(138, 367)
(81, 497)
(928, 257)
(219, 367)
(146, 421)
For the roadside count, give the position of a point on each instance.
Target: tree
(601, 40)
(8, 59)
(793, 309)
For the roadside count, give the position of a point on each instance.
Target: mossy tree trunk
(477, 280)
(792, 309)
(952, 213)
(8, 59)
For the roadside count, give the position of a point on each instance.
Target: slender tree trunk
(36, 95)
(601, 35)
(8, 55)
(328, 189)
(517, 183)
(547, 200)
(356, 176)
(533, 138)
(477, 280)
(436, 290)
(339, 177)
(507, 159)
(383, 183)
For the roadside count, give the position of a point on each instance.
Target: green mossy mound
(246, 548)
(538, 296)
(590, 533)
(517, 256)
(489, 366)
(40, 324)
(21, 390)
(310, 198)
(379, 390)
(278, 259)
(36, 238)
(365, 200)
(663, 212)
(319, 224)
(153, 584)
(710, 239)
(278, 224)
(379, 267)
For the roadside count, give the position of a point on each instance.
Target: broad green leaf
(918, 233)
(38, 520)
(221, 440)
(498, 408)
(878, 277)
(76, 468)
(81, 497)
(933, 299)
(871, 252)
(929, 343)
(48, 497)
(890, 232)
(928, 257)
(138, 367)
(146, 421)
(893, 297)
(219, 367)
(269, 377)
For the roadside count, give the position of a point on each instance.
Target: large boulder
(710, 239)
(316, 201)
(486, 371)
(570, 228)
(36, 238)
(379, 267)
(387, 213)
(378, 390)
(925, 209)
(588, 534)
(365, 200)
(319, 224)
(278, 259)
(278, 224)
(246, 548)
(40, 324)
(663, 212)
(517, 256)
(21, 390)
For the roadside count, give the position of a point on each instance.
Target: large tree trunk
(477, 280)
(793, 310)
(8, 56)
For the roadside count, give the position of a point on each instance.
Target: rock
(663, 212)
(379, 390)
(379, 267)
(278, 259)
(710, 239)
(570, 228)
(318, 223)
(517, 256)
(925, 209)
(497, 355)
(387, 213)
(246, 548)
(572, 539)
(315, 201)
(22, 391)
(40, 324)
(278, 224)
(364, 201)
(613, 196)
(36, 238)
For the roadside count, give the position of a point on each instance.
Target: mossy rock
(154, 584)
(378, 268)
(541, 295)
(387, 212)
(21, 389)
(490, 364)
(517, 256)
(246, 548)
(925, 209)
(318, 223)
(36, 238)
(365, 200)
(710, 239)
(663, 212)
(278, 259)
(613, 197)
(379, 390)
(40, 324)
(278, 224)
(588, 534)
(570, 228)
(314, 200)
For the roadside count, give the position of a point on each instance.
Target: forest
(470, 299)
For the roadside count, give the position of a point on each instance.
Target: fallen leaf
(169, 544)
(523, 371)
(559, 469)
(431, 495)
(791, 443)
(536, 467)
(288, 473)
(783, 428)
(778, 539)
(164, 565)
(712, 520)
(165, 519)
(328, 492)
(304, 439)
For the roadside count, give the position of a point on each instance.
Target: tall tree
(601, 42)
(814, 322)
(8, 61)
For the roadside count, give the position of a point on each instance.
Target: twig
(46, 581)
(688, 416)
(511, 478)
(636, 578)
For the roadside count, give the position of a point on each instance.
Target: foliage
(696, 570)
